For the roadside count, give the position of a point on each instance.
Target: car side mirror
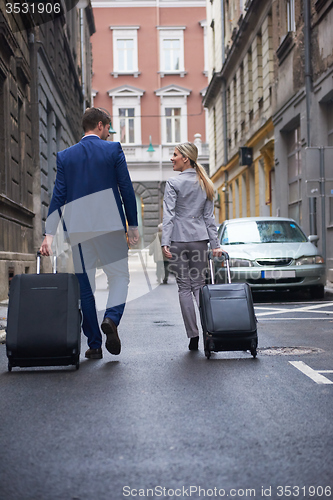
(313, 238)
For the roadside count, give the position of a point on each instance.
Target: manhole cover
(289, 351)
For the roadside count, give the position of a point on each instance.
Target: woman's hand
(166, 252)
(217, 252)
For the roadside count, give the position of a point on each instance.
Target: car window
(262, 232)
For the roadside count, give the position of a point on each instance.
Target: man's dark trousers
(109, 251)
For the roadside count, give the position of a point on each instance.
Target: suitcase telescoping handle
(223, 258)
(54, 263)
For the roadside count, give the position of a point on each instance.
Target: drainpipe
(307, 63)
(225, 141)
(83, 65)
(308, 88)
(224, 108)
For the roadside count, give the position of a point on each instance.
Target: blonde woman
(188, 225)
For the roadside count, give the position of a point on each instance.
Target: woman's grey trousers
(189, 264)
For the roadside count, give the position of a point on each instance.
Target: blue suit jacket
(93, 166)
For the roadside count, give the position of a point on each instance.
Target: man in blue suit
(92, 184)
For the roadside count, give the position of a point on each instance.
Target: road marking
(315, 375)
(294, 319)
(315, 309)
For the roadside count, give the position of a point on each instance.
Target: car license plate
(277, 274)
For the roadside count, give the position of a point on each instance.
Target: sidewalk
(3, 320)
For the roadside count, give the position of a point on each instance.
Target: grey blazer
(188, 215)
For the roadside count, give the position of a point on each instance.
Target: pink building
(149, 71)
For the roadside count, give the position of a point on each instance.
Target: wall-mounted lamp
(150, 147)
(111, 130)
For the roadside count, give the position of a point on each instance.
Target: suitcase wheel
(209, 347)
(77, 365)
(253, 348)
(9, 366)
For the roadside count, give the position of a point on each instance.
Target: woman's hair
(189, 150)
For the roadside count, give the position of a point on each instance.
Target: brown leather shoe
(94, 353)
(112, 343)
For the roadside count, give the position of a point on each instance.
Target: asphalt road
(159, 421)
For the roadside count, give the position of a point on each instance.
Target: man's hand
(166, 252)
(45, 249)
(133, 237)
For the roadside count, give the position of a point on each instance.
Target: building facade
(303, 117)
(45, 70)
(150, 72)
(269, 99)
(239, 100)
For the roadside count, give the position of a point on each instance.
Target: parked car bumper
(274, 278)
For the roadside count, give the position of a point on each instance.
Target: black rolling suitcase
(227, 315)
(44, 320)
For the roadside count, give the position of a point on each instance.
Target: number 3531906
(308, 491)
(33, 8)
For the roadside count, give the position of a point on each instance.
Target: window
(215, 135)
(329, 111)
(125, 50)
(172, 51)
(125, 54)
(250, 81)
(288, 27)
(213, 53)
(241, 105)
(173, 101)
(171, 54)
(259, 81)
(294, 174)
(126, 122)
(290, 15)
(235, 110)
(172, 118)
(203, 24)
(126, 119)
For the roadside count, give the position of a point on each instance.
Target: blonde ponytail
(189, 150)
(205, 181)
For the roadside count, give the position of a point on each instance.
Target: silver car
(271, 253)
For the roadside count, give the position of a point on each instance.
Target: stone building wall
(41, 105)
